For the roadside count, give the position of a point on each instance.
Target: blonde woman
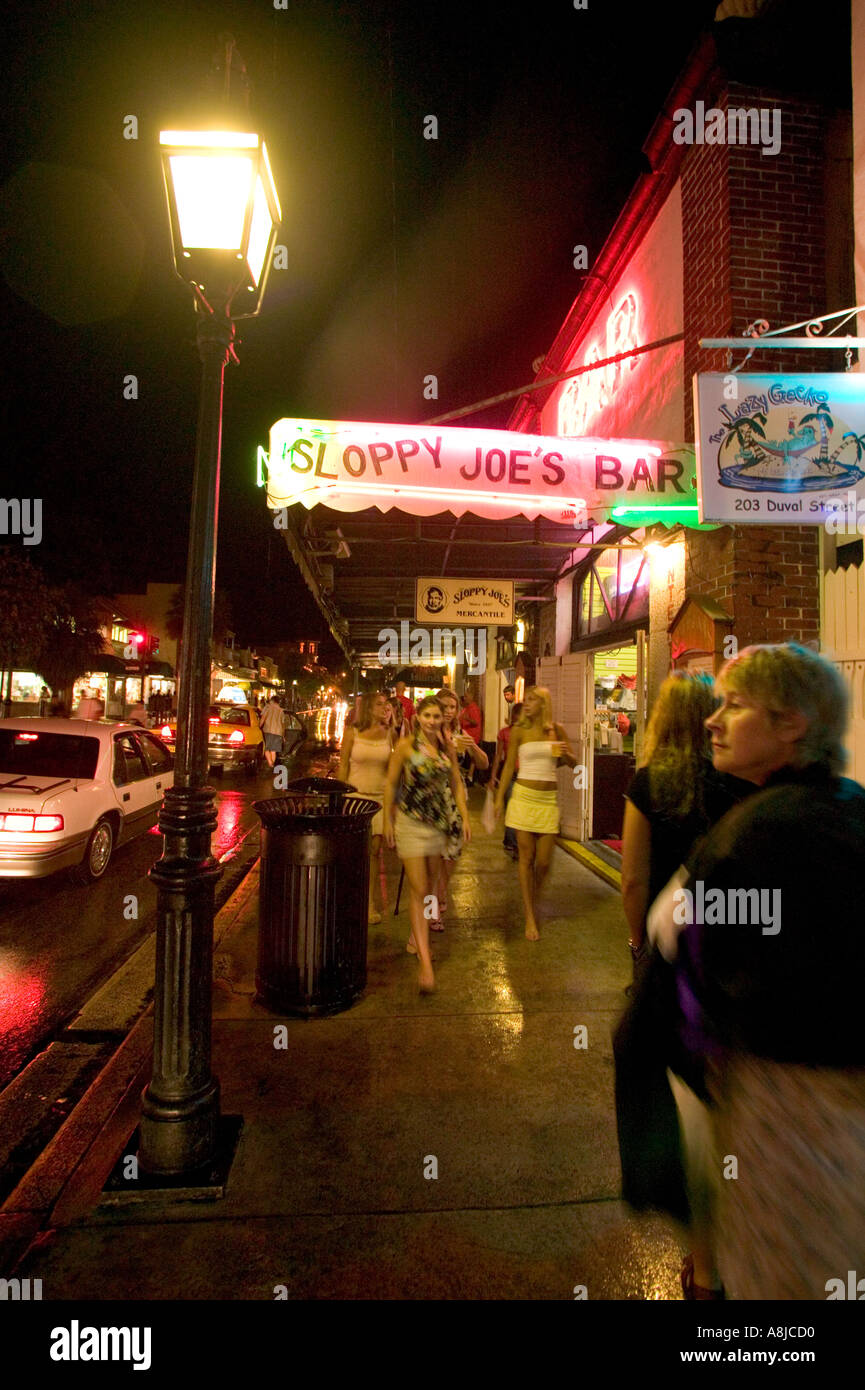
(533, 810)
(419, 818)
(366, 750)
(464, 745)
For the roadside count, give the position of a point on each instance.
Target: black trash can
(313, 902)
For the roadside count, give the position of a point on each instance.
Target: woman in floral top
(422, 817)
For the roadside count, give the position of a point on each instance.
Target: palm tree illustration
(858, 445)
(744, 429)
(826, 423)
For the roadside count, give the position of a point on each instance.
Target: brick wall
(765, 577)
(754, 236)
(754, 247)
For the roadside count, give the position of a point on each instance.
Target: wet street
(59, 942)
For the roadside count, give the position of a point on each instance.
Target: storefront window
(93, 686)
(26, 686)
(614, 588)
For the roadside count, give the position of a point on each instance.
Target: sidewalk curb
(591, 861)
(66, 1178)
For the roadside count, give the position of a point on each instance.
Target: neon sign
(584, 397)
(349, 465)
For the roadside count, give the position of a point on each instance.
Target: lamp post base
(129, 1184)
(180, 1107)
(177, 1136)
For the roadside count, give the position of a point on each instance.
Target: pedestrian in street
(470, 717)
(407, 706)
(364, 758)
(510, 837)
(468, 754)
(398, 721)
(773, 1002)
(673, 800)
(90, 707)
(419, 820)
(538, 743)
(272, 721)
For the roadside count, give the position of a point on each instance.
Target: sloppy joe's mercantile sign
(782, 448)
(423, 470)
(440, 599)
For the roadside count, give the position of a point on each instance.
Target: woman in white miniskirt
(533, 810)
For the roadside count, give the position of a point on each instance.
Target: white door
(570, 680)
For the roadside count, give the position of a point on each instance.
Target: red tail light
(236, 737)
(28, 824)
(166, 732)
(214, 719)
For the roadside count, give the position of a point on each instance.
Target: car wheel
(97, 856)
(253, 764)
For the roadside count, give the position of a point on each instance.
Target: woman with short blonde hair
(769, 958)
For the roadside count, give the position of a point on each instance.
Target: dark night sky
(406, 256)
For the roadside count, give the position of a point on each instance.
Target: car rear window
(229, 714)
(33, 754)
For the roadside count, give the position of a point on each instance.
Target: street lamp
(224, 213)
(224, 216)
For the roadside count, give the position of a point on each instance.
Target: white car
(72, 789)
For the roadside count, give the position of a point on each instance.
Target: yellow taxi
(234, 738)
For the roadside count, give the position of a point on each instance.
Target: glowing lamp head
(224, 212)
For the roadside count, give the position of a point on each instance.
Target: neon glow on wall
(584, 397)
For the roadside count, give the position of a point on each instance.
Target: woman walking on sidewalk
(673, 800)
(465, 747)
(533, 810)
(419, 818)
(509, 843)
(366, 750)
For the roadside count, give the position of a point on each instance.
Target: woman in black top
(673, 800)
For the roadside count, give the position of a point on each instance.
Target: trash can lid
(316, 812)
(318, 784)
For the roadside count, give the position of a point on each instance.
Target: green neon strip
(262, 461)
(646, 511)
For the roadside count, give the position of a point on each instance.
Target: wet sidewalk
(457, 1145)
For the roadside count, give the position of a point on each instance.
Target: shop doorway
(618, 703)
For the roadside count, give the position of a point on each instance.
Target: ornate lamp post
(224, 216)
